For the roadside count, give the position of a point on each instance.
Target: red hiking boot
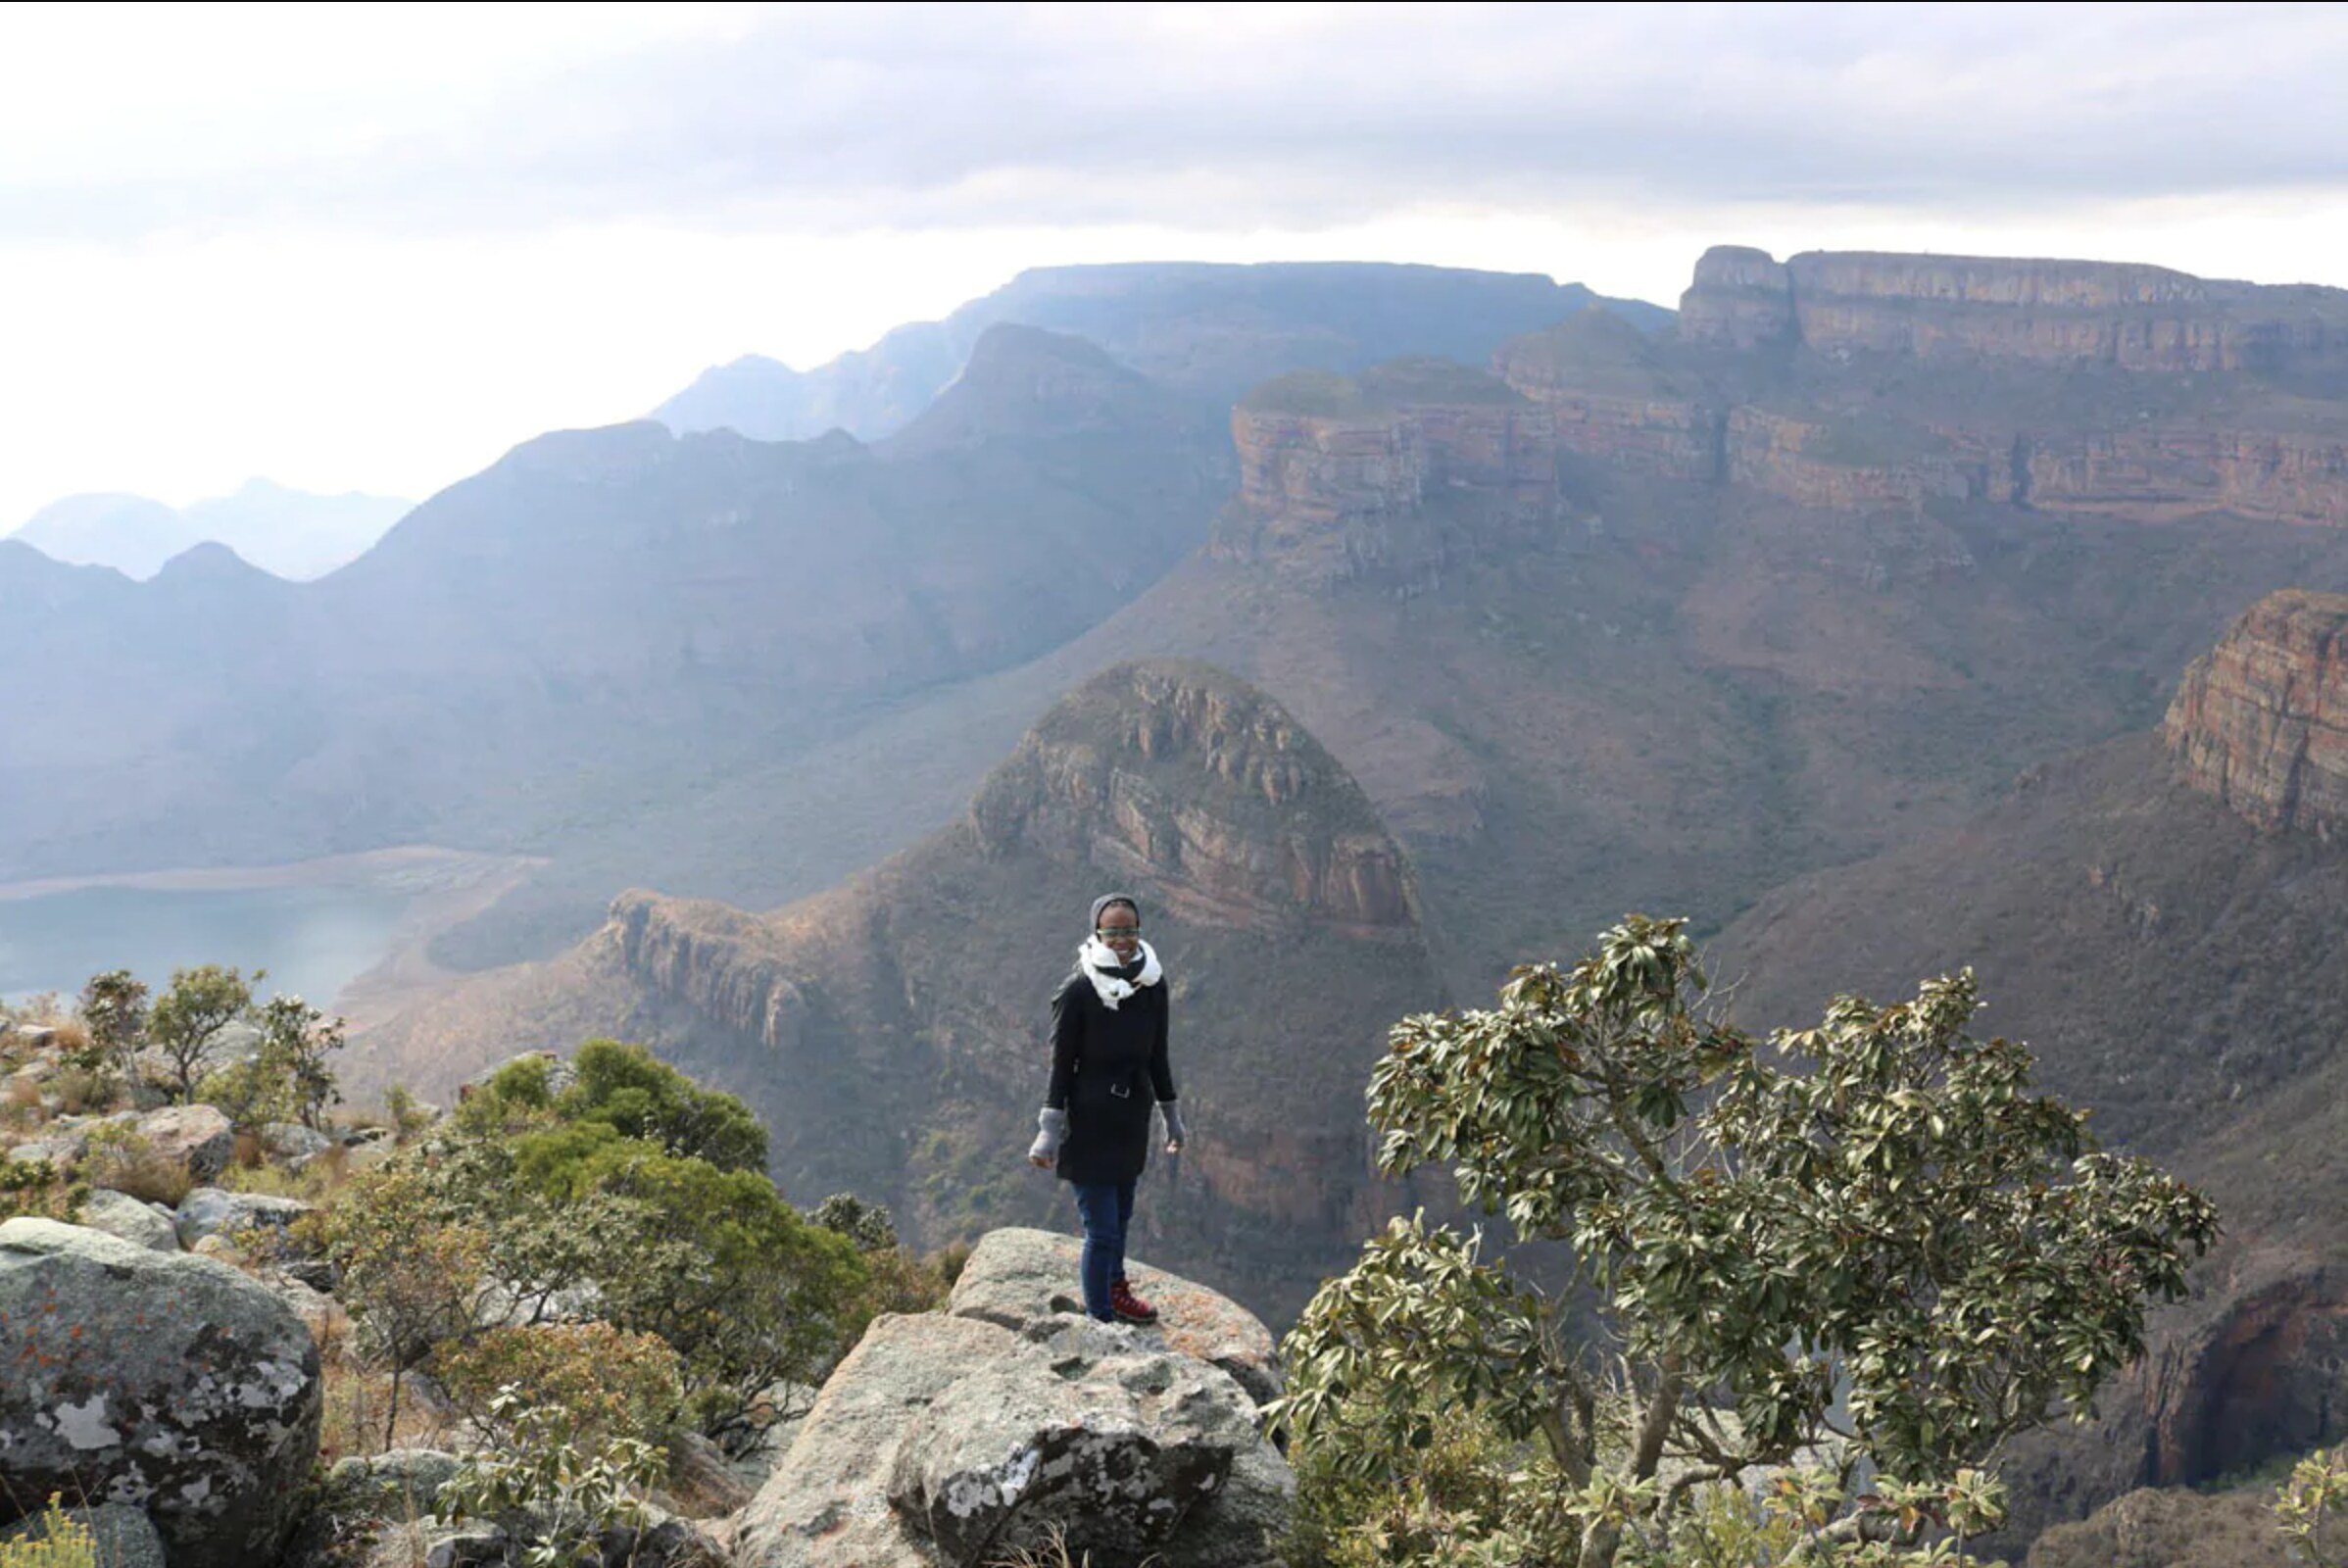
(1129, 1307)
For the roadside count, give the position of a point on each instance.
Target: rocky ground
(191, 1396)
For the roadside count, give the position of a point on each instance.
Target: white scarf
(1095, 955)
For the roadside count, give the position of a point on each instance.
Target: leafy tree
(113, 1009)
(605, 1381)
(296, 1039)
(555, 1490)
(186, 1020)
(2311, 1510)
(641, 1096)
(638, 1191)
(412, 1279)
(1885, 1213)
(250, 1093)
(869, 1225)
(749, 1293)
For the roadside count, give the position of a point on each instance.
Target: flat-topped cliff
(1876, 383)
(2260, 721)
(2132, 316)
(1387, 476)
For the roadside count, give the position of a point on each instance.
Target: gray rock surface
(289, 1142)
(217, 1211)
(1106, 1442)
(124, 1536)
(156, 1379)
(365, 1498)
(1022, 1278)
(196, 1137)
(827, 1502)
(950, 1442)
(119, 1214)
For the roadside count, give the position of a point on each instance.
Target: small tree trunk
(391, 1423)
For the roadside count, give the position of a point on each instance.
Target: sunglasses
(1111, 932)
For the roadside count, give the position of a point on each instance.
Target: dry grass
(80, 1090)
(314, 1183)
(21, 1104)
(123, 1160)
(357, 1402)
(1053, 1553)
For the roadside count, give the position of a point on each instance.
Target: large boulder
(945, 1442)
(160, 1381)
(1104, 1442)
(293, 1144)
(197, 1137)
(217, 1211)
(827, 1502)
(1022, 1278)
(120, 1215)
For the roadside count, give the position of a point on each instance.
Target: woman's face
(1120, 931)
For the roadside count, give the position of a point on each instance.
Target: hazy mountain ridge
(600, 618)
(287, 533)
(1582, 659)
(1205, 329)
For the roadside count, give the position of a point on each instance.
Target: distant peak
(1009, 344)
(210, 562)
(1024, 380)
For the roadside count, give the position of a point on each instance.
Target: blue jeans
(1106, 1208)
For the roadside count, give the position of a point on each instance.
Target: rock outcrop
(1388, 477)
(954, 1441)
(2260, 721)
(1614, 401)
(1199, 783)
(1020, 1279)
(159, 1381)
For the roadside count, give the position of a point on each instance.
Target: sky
(372, 247)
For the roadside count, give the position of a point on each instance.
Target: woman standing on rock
(1108, 1060)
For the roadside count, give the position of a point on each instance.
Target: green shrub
(1877, 1214)
(37, 1189)
(555, 1492)
(601, 1380)
(60, 1541)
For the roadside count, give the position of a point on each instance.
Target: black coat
(1107, 1064)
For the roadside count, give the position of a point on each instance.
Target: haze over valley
(1774, 520)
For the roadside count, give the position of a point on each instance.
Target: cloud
(843, 119)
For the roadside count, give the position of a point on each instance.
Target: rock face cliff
(893, 1032)
(1180, 775)
(2260, 721)
(2046, 312)
(1876, 383)
(1388, 478)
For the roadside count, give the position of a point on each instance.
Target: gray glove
(1051, 1129)
(1173, 1114)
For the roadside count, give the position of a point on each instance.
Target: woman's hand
(1173, 1146)
(1176, 1133)
(1051, 1126)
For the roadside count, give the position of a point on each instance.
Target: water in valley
(312, 939)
